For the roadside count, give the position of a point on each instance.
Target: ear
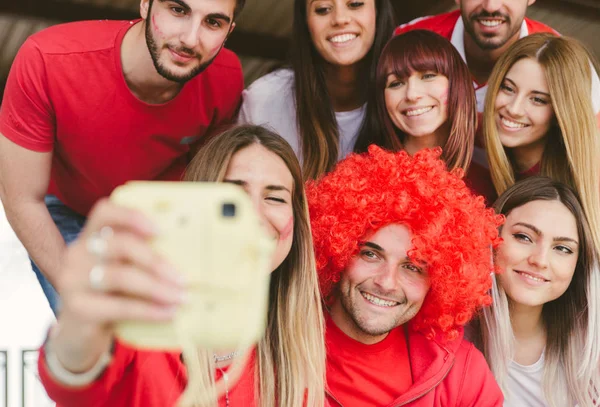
(144, 9)
(231, 27)
(530, 2)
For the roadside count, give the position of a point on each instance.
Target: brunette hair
(453, 231)
(422, 51)
(291, 356)
(572, 321)
(315, 118)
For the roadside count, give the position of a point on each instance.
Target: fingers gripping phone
(212, 234)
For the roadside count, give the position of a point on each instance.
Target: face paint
(287, 230)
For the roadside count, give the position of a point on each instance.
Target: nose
(516, 107)
(340, 16)
(539, 256)
(190, 34)
(260, 212)
(386, 278)
(414, 89)
(491, 6)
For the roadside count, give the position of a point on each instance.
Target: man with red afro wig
(403, 253)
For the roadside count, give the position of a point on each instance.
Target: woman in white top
(540, 336)
(319, 104)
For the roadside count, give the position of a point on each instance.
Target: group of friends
(432, 189)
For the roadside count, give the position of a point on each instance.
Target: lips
(512, 125)
(342, 38)
(417, 111)
(378, 301)
(181, 56)
(532, 278)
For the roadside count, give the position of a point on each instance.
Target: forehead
(552, 218)
(527, 73)
(392, 238)
(206, 6)
(257, 164)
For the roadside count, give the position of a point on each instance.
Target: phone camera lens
(228, 210)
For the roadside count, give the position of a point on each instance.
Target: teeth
(343, 38)
(512, 125)
(379, 301)
(418, 112)
(491, 23)
(529, 276)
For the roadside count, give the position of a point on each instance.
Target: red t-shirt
(66, 93)
(366, 375)
(137, 378)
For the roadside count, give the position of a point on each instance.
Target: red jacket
(451, 374)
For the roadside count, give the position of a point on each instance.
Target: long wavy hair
(453, 231)
(291, 356)
(315, 118)
(573, 143)
(422, 51)
(572, 321)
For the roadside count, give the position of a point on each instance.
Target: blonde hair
(573, 145)
(572, 321)
(290, 367)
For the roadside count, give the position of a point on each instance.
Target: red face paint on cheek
(287, 230)
(155, 26)
(445, 99)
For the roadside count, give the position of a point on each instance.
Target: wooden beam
(590, 9)
(241, 42)
(409, 10)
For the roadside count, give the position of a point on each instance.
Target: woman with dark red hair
(404, 259)
(425, 99)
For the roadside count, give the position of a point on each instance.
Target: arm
(24, 178)
(26, 144)
(137, 285)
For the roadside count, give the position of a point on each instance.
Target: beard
(165, 72)
(363, 323)
(490, 42)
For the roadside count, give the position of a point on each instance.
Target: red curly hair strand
(453, 231)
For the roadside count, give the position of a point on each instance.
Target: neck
(481, 61)
(343, 87)
(529, 331)
(140, 74)
(346, 324)
(413, 145)
(524, 158)
(526, 320)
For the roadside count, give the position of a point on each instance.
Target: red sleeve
(94, 394)
(26, 115)
(478, 387)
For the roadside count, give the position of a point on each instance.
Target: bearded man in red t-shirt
(403, 252)
(90, 105)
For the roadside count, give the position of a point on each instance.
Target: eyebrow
(539, 233)
(537, 92)
(186, 7)
(268, 187)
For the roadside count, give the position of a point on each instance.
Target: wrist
(78, 371)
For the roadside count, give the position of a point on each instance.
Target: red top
(137, 378)
(366, 375)
(66, 93)
(443, 374)
(479, 180)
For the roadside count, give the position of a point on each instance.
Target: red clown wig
(453, 231)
